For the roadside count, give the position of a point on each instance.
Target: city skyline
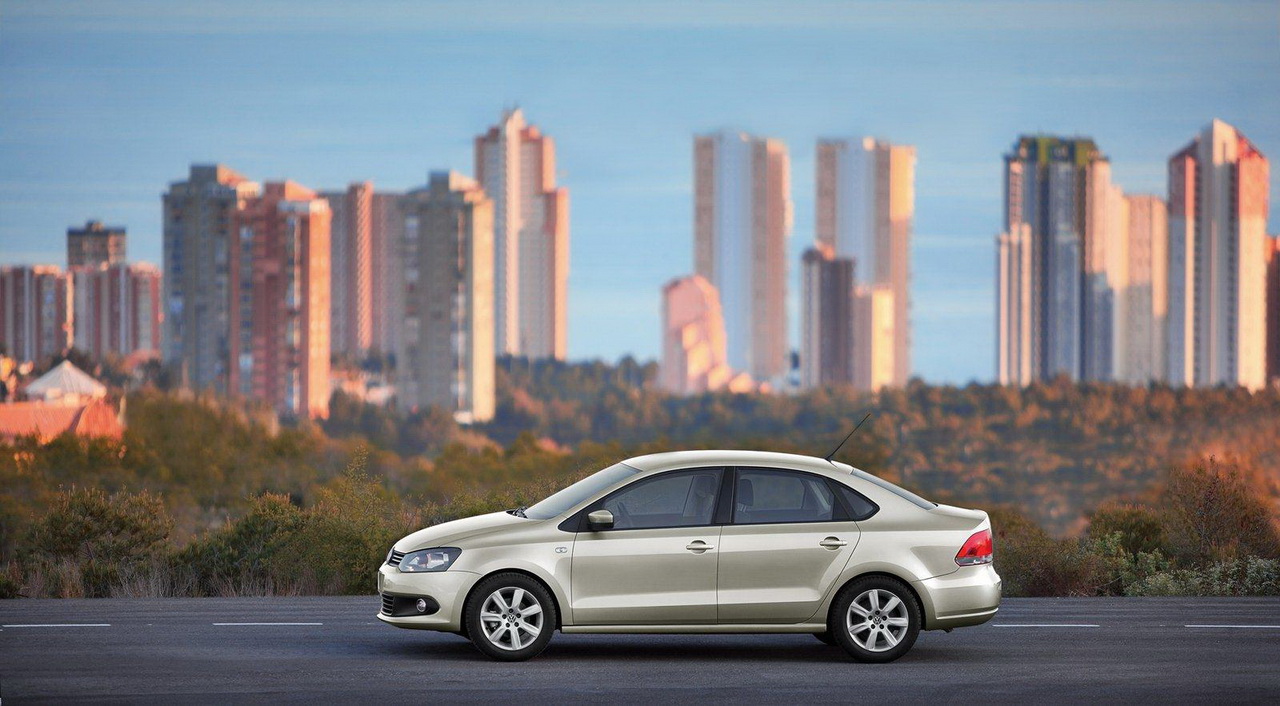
(1140, 90)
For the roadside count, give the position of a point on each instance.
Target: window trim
(577, 522)
(840, 512)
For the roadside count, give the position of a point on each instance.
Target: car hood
(448, 534)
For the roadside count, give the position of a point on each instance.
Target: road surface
(276, 650)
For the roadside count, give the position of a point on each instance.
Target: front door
(788, 543)
(657, 565)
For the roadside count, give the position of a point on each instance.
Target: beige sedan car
(702, 542)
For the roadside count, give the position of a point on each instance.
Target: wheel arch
(524, 572)
(926, 608)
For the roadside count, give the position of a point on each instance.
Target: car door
(788, 542)
(657, 564)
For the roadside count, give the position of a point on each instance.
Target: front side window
(765, 496)
(680, 499)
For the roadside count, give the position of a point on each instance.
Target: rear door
(657, 565)
(788, 542)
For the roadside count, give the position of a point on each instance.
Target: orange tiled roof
(47, 421)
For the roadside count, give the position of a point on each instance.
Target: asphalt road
(233, 650)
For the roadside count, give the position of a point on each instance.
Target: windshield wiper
(519, 512)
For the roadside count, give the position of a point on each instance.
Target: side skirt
(737, 628)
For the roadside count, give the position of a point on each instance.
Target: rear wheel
(510, 617)
(875, 619)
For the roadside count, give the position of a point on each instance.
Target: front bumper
(447, 590)
(969, 596)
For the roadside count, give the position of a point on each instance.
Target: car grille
(395, 558)
(388, 604)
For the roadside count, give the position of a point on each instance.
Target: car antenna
(855, 430)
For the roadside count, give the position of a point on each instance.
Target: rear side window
(765, 496)
(859, 507)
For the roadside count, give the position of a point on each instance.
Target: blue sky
(102, 103)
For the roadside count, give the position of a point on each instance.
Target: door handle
(833, 543)
(699, 546)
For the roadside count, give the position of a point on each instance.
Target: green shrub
(1139, 528)
(1251, 576)
(95, 535)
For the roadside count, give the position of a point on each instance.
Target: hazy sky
(103, 103)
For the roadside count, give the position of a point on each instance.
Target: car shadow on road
(700, 650)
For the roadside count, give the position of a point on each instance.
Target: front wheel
(875, 619)
(510, 617)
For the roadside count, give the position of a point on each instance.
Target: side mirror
(600, 519)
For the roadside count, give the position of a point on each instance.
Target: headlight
(429, 560)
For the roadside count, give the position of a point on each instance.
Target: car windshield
(562, 501)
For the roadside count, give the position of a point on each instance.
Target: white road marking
(58, 625)
(1260, 627)
(1045, 625)
(255, 624)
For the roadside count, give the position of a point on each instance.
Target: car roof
(727, 457)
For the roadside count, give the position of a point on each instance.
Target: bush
(1140, 529)
(88, 536)
(1032, 563)
(1252, 576)
(1213, 513)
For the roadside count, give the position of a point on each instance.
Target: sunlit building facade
(351, 263)
(279, 321)
(515, 164)
(446, 354)
(693, 340)
(865, 207)
(1273, 309)
(742, 219)
(1218, 188)
(35, 312)
(1142, 315)
(116, 309)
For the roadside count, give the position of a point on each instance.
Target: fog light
(422, 606)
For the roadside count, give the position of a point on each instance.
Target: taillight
(977, 550)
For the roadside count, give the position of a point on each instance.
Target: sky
(104, 102)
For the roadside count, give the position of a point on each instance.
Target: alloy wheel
(877, 620)
(511, 618)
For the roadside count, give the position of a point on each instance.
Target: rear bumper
(969, 596)
(446, 591)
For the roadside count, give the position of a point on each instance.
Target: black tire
(529, 592)
(880, 628)
(825, 638)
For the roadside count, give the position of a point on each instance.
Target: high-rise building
(35, 312)
(874, 313)
(199, 242)
(516, 167)
(1273, 309)
(865, 205)
(827, 299)
(1217, 272)
(351, 237)
(742, 219)
(1056, 269)
(279, 320)
(1013, 305)
(1144, 303)
(117, 309)
(387, 290)
(95, 244)
(446, 355)
(693, 341)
